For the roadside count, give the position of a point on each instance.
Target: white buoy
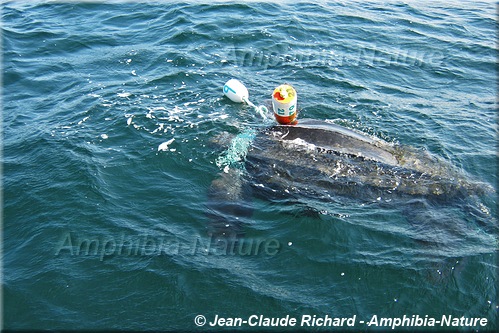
(236, 91)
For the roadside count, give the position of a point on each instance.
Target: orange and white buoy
(284, 100)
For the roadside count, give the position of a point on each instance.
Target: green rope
(236, 154)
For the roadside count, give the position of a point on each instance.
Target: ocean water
(102, 230)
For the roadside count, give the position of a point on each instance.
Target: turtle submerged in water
(320, 160)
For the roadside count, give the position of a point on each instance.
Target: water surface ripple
(90, 91)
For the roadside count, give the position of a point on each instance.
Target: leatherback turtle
(319, 159)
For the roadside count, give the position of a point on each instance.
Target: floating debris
(164, 145)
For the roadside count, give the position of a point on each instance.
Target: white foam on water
(83, 120)
(124, 94)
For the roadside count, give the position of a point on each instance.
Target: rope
(261, 110)
(236, 153)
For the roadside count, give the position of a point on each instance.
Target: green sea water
(103, 231)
